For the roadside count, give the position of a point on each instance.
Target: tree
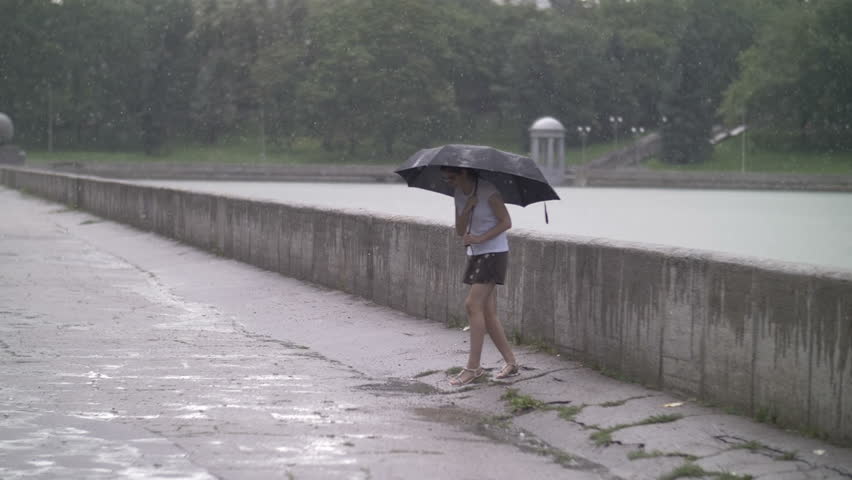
(795, 84)
(166, 71)
(702, 66)
(280, 68)
(375, 75)
(642, 37)
(554, 68)
(30, 63)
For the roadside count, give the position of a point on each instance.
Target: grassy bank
(303, 151)
(727, 156)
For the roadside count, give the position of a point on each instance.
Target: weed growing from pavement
(542, 347)
(691, 470)
(639, 454)
(752, 446)
(426, 373)
(672, 417)
(730, 476)
(498, 420)
(616, 403)
(456, 323)
(790, 456)
(686, 470)
(603, 436)
(766, 415)
(568, 413)
(521, 403)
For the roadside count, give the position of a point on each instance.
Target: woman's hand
(470, 239)
(471, 202)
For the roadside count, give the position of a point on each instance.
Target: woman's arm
(504, 221)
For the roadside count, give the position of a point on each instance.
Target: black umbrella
(516, 177)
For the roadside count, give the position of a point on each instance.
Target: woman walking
(482, 221)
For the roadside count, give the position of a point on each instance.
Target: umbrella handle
(470, 218)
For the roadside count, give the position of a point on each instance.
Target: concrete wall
(764, 337)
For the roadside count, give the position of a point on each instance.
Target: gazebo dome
(547, 124)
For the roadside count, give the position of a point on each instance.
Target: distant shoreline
(621, 178)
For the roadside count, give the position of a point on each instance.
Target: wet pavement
(126, 355)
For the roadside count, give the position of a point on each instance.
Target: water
(801, 227)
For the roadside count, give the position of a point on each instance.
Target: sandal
(457, 381)
(509, 370)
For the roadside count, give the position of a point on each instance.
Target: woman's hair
(472, 173)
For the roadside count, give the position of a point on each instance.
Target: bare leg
(495, 329)
(475, 305)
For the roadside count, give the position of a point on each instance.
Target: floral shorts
(486, 268)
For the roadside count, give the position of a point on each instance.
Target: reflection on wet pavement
(108, 374)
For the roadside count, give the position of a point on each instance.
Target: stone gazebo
(547, 148)
(9, 154)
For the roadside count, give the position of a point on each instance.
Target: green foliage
(702, 66)
(520, 403)
(376, 75)
(640, 454)
(570, 412)
(752, 446)
(660, 419)
(377, 79)
(691, 470)
(553, 68)
(603, 436)
(687, 470)
(789, 456)
(795, 82)
(766, 415)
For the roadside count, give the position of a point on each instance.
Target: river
(800, 227)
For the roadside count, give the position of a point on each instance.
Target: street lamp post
(743, 146)
(615, 121)
(584, 132)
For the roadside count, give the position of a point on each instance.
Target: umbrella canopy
(516, 177)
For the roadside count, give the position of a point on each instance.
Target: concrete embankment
(771, 339)
(641, 177)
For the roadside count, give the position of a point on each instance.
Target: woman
(482, 221)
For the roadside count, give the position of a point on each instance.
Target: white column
(534, 149)
(550, 159)
(561, 158)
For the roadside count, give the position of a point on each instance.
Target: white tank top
(483, 219)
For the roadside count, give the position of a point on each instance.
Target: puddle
(400, 386)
